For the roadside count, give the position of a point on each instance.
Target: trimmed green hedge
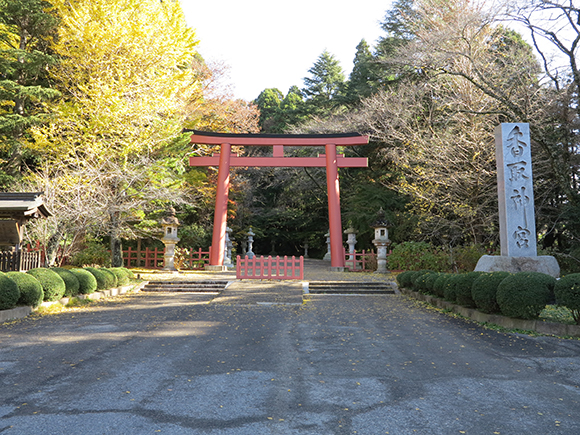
(484, 290)
(31, 293)
(122, 275)
(567, 291)
(71, 282)
(9, 292)
(102, 278)
(52, 284)
(440, 284)
(404, 279)
(451, 287)
(87, 281)
(463, 286)
(525, 294)
(111, 278)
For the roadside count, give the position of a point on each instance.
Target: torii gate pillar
(332, 161)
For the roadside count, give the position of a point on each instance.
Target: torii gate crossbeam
(331, 160)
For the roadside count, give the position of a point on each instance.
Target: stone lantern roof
(381, 221)
(169, 218)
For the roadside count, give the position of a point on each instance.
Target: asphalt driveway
(180, 364)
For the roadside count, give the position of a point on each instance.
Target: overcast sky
(273, 43)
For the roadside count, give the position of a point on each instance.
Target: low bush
(87, 281)
(452, 287)
(111, 278)
(404, 279)
(9, 293)
(525, 294)
(413, 274)
(129, 272)
(31, 293)
(121, 274)
(52, 284)
(567, 291)
(418, 256)
(420, 282)
(71, 282)
(463, 285)
(484, 290)
(440, 284)
(466, 257)
(102, 279)
(430, 281)
(95, 254)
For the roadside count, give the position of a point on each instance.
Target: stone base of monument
(336, 269)
(211, 268)
(326, 257)
(500, 263)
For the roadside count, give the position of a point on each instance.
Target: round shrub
(420, 280)
(430, 281)
(102, 279)
(129, 272)
(440, 284)
(567, 291)
(9, 293)
(121, 274)
(111, 278)
(404, 279)
(451, 287)
(31, 293)
(52, 284)
(412, 275)
(71, 282)
(463, 285)
(87, 281)
(484, 289)
(524, 294)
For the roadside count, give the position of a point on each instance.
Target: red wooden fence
(270, 268)
(153, 258)
(366, 261)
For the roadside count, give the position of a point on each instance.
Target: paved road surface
(178, 364)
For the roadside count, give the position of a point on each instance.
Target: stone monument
(170, 239)
(517, 223)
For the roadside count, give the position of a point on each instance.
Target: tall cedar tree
(325, 85)
(26, 27)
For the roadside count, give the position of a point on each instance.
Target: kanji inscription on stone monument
(517, 221)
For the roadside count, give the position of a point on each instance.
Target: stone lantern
(327, 256)
(170, 239)
(381, 241)
(229, 247)
(351, 242)
(250, 253)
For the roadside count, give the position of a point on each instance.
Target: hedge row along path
(178, 363)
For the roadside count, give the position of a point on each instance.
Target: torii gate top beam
(248, 139)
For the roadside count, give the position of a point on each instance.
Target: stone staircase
(350, 287)
(202, 286)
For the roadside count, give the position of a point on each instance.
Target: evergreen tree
(325, 86)
(26, 26)
(268, 103)
(361, 82)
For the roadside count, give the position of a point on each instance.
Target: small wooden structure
(16, 209)
(270, 268)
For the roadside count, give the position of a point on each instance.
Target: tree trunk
(52, 246)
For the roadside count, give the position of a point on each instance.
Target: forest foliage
(94, 98)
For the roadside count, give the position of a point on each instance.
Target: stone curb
(547, 328)
(21, 312)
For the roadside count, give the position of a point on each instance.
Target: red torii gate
(331, 160)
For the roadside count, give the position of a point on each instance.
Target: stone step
(185, 286)
(350, 287)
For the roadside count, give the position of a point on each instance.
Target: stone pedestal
(501, 263)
